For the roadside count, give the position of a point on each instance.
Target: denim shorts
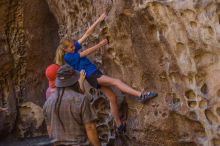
(93, 79)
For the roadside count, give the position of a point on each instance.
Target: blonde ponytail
(59, 58)
(59, 55)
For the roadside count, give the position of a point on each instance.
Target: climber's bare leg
(107, 81)
(113, 104)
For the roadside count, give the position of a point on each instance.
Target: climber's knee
(109, 93)
(112, 98)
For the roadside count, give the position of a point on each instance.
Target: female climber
(68, 51)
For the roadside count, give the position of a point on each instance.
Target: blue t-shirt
(78, 63)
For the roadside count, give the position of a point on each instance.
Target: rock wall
(168, 46)
(28, 40)
(164, 45)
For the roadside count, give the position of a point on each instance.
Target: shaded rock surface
(28, 39)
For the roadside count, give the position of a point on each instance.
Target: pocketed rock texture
(105, 123)
(168, 46)
(28, 39)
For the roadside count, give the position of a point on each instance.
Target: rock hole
(219, 19)
(190, 94)
(103, 137)
(156, 113)
(63, 6)
(180, 47)
(84, 15)
(100, 104)
(164, 115)
(134, 138)
(203, 104)
(201, 134)
(192, 115)
(176, 100)
(204, 89)
(92, 91)
(210, 31)
(218, 131)
(127, 12)
(85, 4)
(218, 93)
(218, 9)
(163, 29)
(191, 44)
(211, 117)
(192, 104)
(193, 24)
(100, 93)
(216, 142)
(184, 135)
(104, 31)
(141, 2)
(108, 37)
(175, 76)
(188, 13)
(101, 118)
(209, 7)
(218, 111)
(200, 51)
(110, 51)
(191, 77)
(76, 9)
(200, 78)
(163, 76)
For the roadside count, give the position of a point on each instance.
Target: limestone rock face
(164, 45)
(28, 39)
(168, 46)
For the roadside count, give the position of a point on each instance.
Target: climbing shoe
(121, 129)
(147, 96)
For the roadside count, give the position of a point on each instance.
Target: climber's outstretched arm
(91, 28)
(94, 48)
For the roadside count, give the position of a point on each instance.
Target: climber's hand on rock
(82, 75)
(103, 42)
(102, 17)
(81, 80)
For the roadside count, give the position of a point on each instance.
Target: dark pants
(93, 79)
